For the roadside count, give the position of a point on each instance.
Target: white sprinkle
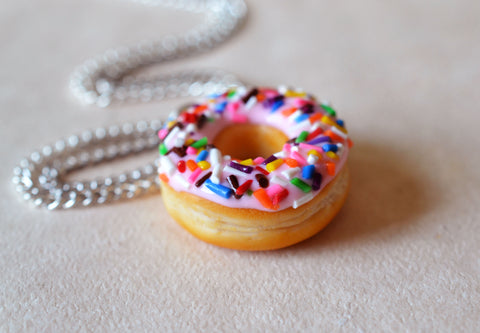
(191, 128)
(294, 148)
(182, 181)
(279, 180)
(216, 174)
(302, 200)
(180, 140)
(167, 166)
(319, 124)
(300, 126)
(291, 172)
(338, 132)
(291, 118)
(173, 133)
(228, 169)
(340, 149)
(282, 89)
(215, 156)
(251, 102)
(227, 157)
(280, 154)
(173, 114)
(312, 159)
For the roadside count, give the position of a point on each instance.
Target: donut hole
(243, 141)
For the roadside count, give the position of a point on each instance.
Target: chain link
(106, 79)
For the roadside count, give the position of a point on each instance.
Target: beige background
(403, 254)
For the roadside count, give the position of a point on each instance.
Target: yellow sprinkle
(188, 142)
(204, 165)
(331, 154)
(341, 128)
(314, 152)
(291, 93)
(171, 123)
(328, 121)
(274, 165)
(247, 162)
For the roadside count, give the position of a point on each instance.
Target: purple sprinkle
(316, 181)
(270, 159)
(320, 139)
(241, 167)
(307, 108)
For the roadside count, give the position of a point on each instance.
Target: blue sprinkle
(277, 105)
(340, 122)
(202, 156)
(308, 171)
(220, 107)
(218, 189)
(330, 147)
(302, 117)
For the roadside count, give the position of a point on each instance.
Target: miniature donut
(254, 170)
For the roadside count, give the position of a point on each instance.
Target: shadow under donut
(386, 194)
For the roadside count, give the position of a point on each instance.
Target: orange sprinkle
(291, 162)
(288, 111)
(260, 97)
(264, 199)
(163, 177)
(330, 168)
(200, 109)
(333, 136)
(350, 143)
(191, 165)
(315, 117)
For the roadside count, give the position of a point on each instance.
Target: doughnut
(257, 169)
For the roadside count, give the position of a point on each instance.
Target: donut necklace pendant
(242, 168)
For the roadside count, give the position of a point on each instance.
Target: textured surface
(403, 255)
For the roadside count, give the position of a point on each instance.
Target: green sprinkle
(162, 149)
(302, 137)
(301, 184)
(249, 192)
(329, 110)
(200, 143)
(231, 93)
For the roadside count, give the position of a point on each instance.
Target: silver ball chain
(106, 79)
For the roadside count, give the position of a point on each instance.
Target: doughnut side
(251, 229)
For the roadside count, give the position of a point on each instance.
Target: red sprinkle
(244, 187)
(181, 166)
(189, 117)
(314, 134)
(265, 172)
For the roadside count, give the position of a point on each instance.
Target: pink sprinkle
(162, 133)
(287, 147)
(258, 160)
(194, 175)
(239, 118)
(233, 107)
(191, 150)
(295, 155)
(277, 193)
(309, 147)
(274, 189)
(299, 102)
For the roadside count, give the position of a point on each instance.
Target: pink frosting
(294, 113)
